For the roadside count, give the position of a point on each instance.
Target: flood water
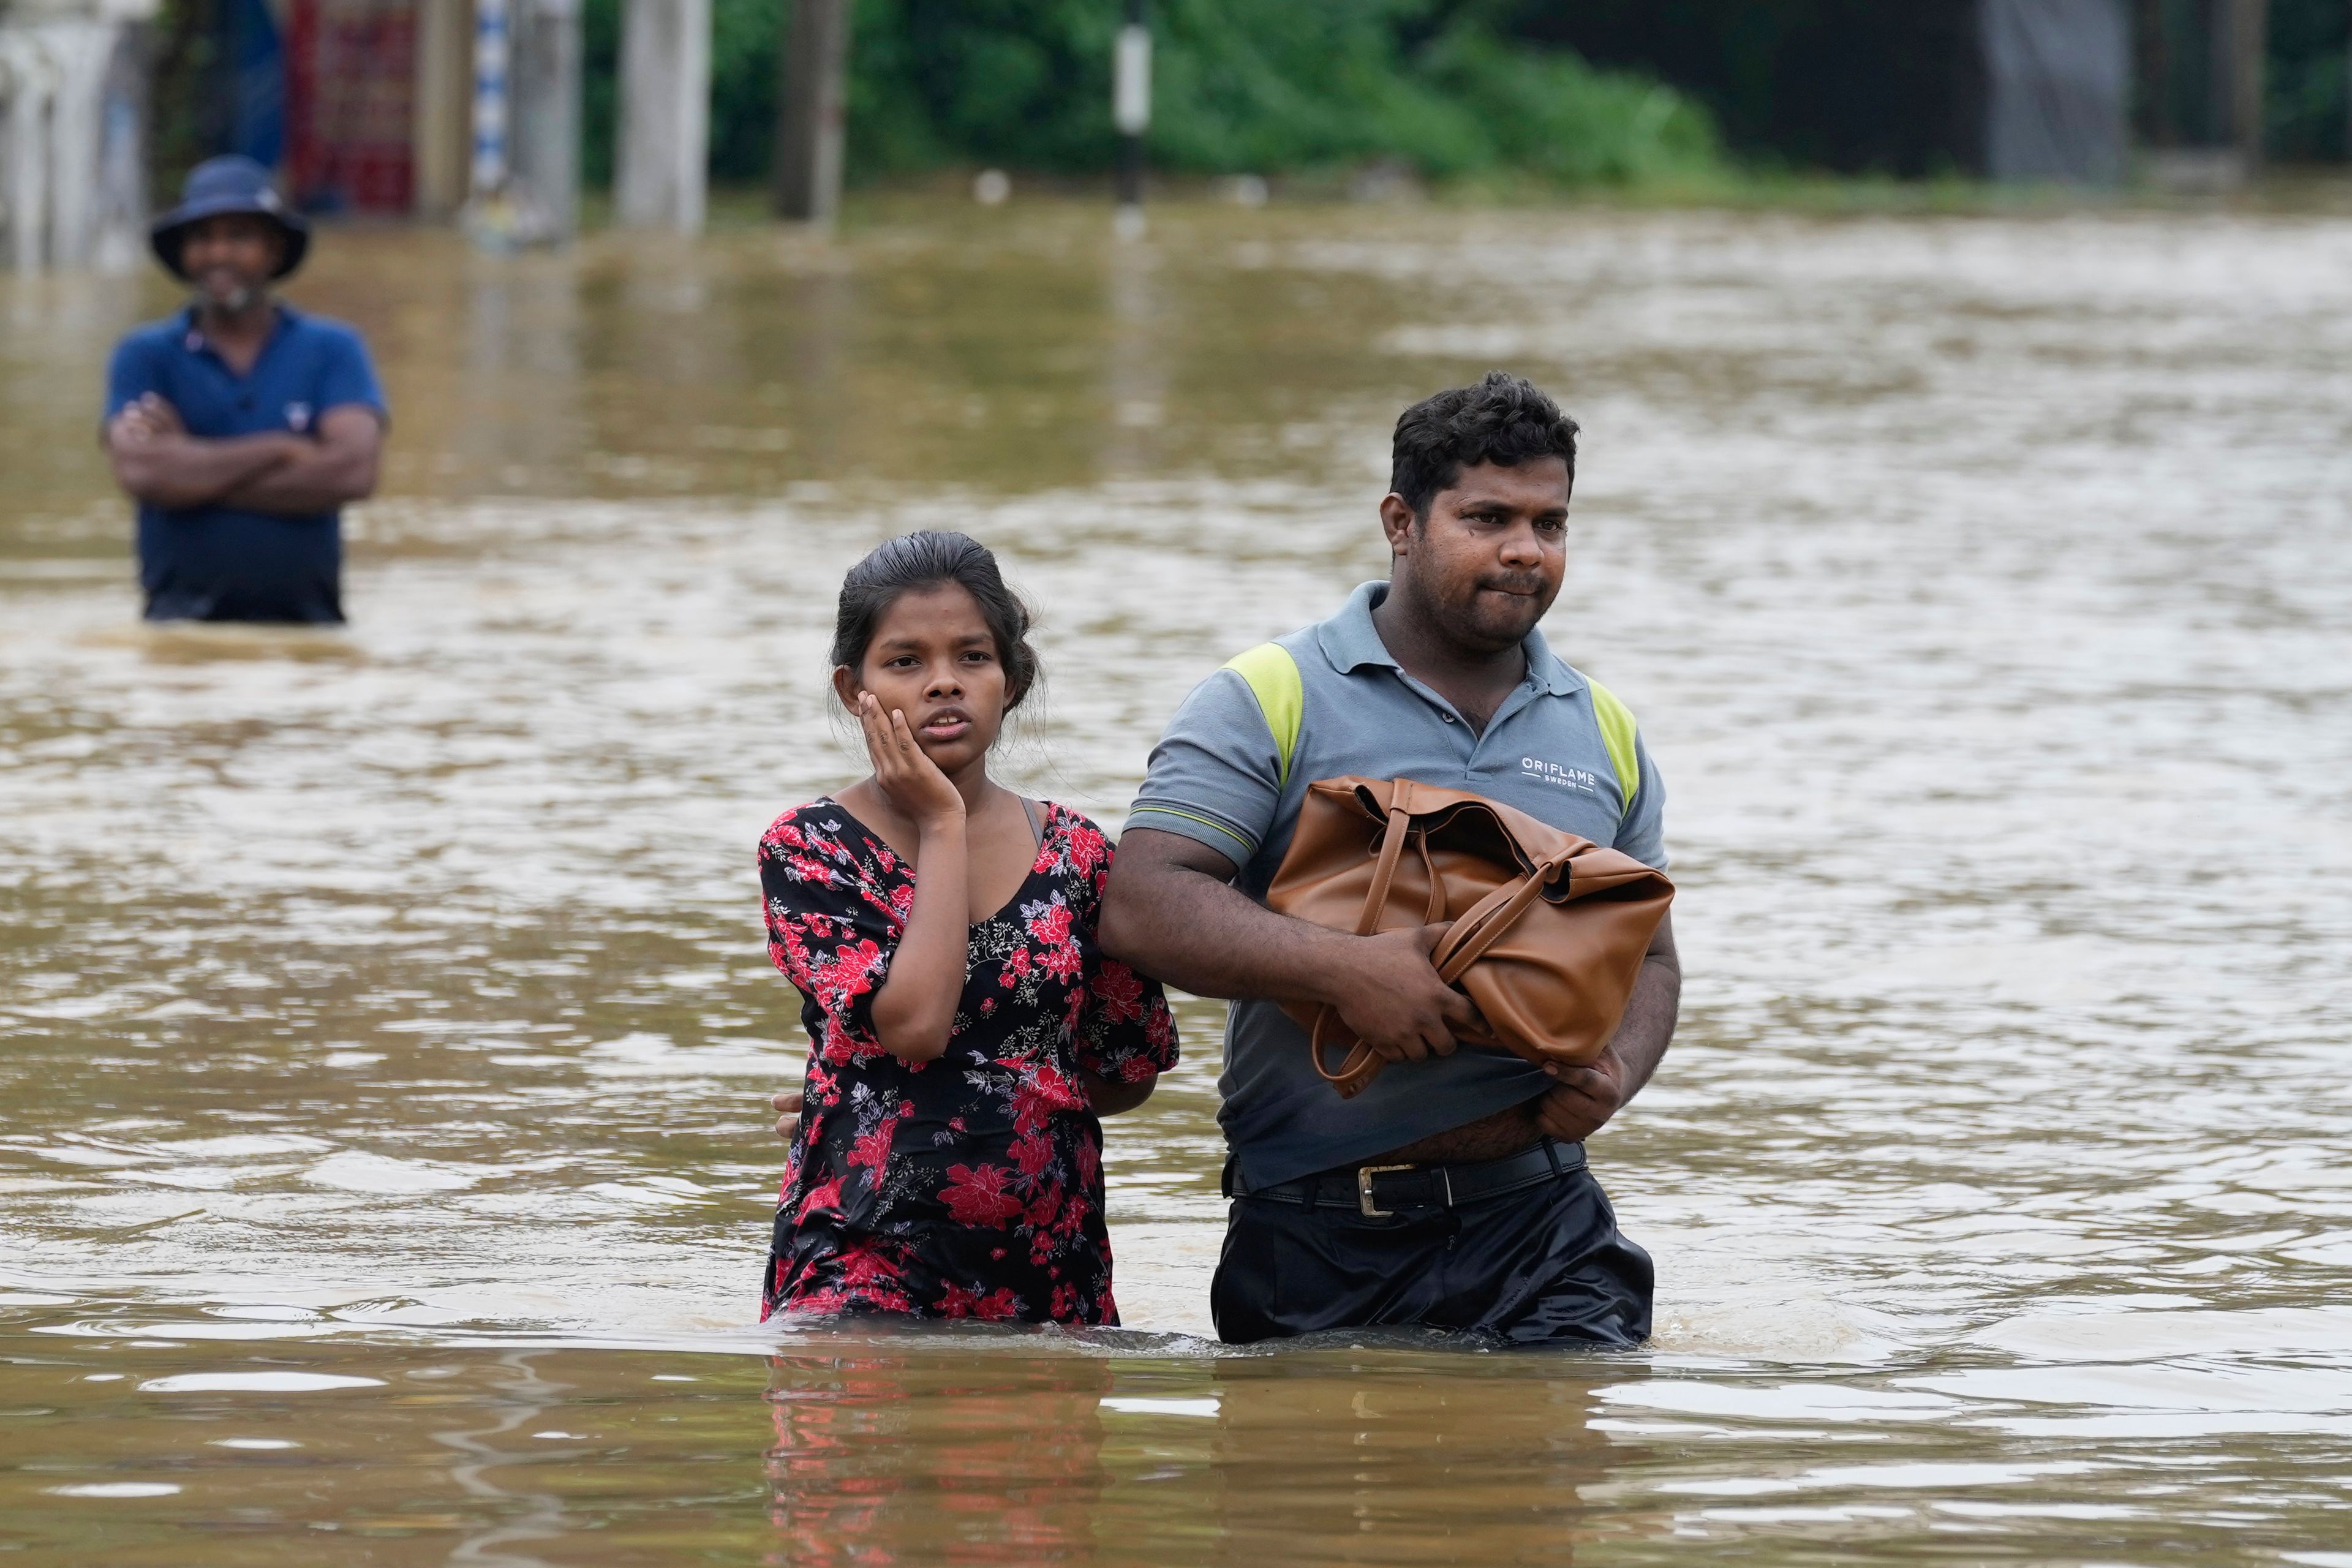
(384, 1169)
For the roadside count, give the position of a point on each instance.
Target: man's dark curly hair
(1505, 419)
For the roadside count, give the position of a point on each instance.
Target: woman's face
(934, 659)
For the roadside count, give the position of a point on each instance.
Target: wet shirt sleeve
(831, 930)
(1215, 776)
(1641, 832)
(347, 376)
(130, 375)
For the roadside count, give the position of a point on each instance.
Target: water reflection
(1380, 1463)
(888, 1459)
(523, 1516)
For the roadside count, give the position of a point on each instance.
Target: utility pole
(2241, 40)
(1130, 110)
(664, 142)
(2253, 62)
(543, 143)
(810, 134)
(2155, 73)
(488, 214)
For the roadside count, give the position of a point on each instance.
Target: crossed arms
(1170, 910)
(157, 462)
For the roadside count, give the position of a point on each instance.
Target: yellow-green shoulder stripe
(1274, 680)
(1617, 733)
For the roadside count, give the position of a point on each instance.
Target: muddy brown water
(383, 1171)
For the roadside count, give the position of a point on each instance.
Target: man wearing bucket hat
(240, 426)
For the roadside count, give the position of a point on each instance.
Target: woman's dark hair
(1505, 419)
(915, 562)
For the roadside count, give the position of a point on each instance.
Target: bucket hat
(219, 187)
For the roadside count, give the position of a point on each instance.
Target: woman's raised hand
(910, 779)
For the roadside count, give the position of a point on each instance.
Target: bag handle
(1363, 1064)
(1488, 921)
(1359, 1066)
(1376, 902)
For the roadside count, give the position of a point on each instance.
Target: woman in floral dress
(965, 1029)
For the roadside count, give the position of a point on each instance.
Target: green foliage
(2310, 90)
(1559, 117)
(1239, 85)
(599, 88)
(746, 59)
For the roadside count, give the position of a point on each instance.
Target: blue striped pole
(493, 49)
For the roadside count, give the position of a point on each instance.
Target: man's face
(1488, 560)
(230, 260)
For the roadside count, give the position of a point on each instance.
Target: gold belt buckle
(1364, 1174)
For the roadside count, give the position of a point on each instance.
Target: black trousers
(1544, 1265)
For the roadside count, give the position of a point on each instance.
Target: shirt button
(1447, 717)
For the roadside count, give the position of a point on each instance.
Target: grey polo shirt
(1216, 777)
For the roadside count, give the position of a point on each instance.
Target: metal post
(492, 216)
(2248, 57)
(810, 132)
(2153, 62)
(1130, 107)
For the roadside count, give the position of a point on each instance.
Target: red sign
(351, 95)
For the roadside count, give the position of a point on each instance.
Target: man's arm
(157, 462)
(1170, 910)
(1114, 1097)
(1585, 1097)
(336, 466)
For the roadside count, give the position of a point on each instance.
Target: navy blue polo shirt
(1218, 777)
(223, 564)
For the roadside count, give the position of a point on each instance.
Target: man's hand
(788, 1113)
(1583, 1100)
(151, 416)
(1390, 994)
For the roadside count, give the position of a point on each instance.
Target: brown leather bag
(1548, 930)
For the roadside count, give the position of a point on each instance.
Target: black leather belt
(1378, 1191)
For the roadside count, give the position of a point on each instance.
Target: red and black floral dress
(970, 1185)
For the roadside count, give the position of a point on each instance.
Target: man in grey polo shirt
(1452, 1193)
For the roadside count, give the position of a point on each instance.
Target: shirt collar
(193, 339)
(1350, 641)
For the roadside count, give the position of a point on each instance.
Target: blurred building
(362, 106)
(368, 107)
